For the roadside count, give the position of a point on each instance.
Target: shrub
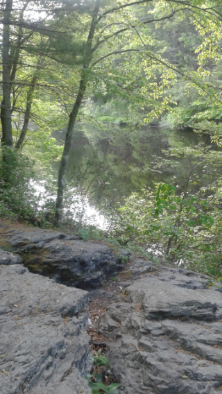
(186, 227)
(17, 196)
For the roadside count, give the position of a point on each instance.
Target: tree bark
(16, 49)
(29, 104)
(73, 116)
(6, 120)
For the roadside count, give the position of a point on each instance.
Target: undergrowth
(186, 227)
(99, 379)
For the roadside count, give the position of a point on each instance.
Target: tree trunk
(16, 49)
(65, 154)
(6, 87)
(73, 116)
(29, 104)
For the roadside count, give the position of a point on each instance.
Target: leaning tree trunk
(29, 102)
(6, 120)
(73, 116)
(65, 154)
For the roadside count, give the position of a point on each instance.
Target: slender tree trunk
(65, 154)
(29, 102)
(73, 116)
(6, 87)
(16, 51)
(10, 58)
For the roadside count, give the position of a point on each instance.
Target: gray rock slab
(8, 258)
(165, 337)
(44, 347)
(36, 236)
(139, 267)
(65, 258)
(182, 278)
(163, 299)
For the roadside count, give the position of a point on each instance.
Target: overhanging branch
(114, 53)
(142, 22)
(211, 10)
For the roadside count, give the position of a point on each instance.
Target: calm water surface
(106, 166)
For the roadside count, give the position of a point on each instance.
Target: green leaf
(112, 388)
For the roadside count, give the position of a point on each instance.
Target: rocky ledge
(66, 259)
(162, 326)
(165, 335)
(44, 347)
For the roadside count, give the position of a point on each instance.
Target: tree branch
(142, 22)
(121, 7)
(148, 1)
(153, 57)
(115, 53)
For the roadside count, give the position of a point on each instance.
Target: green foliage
(114, 279)
(85, 233)
(95, 379)
(98, 388)
(17, 196)
(101, 360)
(186, 227)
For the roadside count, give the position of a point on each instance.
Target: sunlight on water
(155, 250)
(79, 208)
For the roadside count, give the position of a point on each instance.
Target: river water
(107, 166)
